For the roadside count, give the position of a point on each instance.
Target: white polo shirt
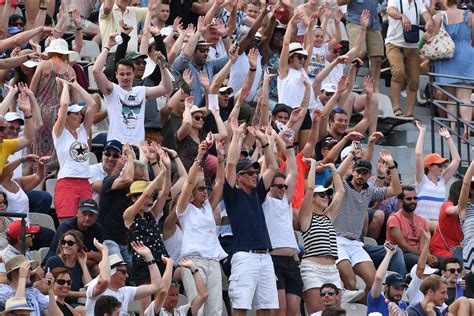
(395, 27)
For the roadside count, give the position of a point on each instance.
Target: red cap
(14, 229)
(282, 13)
(337, 46)
(433, 158)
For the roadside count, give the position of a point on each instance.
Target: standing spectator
(70, 136)
(404, 56)
(125, 102)
(466, 215)
(393, 290)
(435, 291)
(252, 272)
(431, 175)
(459, 27)
(405, 228)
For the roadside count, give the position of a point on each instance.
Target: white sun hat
(60, 46)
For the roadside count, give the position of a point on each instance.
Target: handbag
(441, 45)
(413, 35)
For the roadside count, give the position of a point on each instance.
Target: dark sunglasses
(413, 198)
(440, 165)
(249, 173)
(70, 243)
(301, 57)
(280, 186)
(107, 154)
(322, 194)
(329, 94)
(63, 282)
(203, 50)
(330, 293)
(19, 24)
(199, 117)
(452, 270)
(3, 203)
(3, 128)
(140, 62)
(202, 188)
(124, 272)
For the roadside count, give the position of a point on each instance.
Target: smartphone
(390, 246)
(281, 126)
(358, 146)
(272, 71)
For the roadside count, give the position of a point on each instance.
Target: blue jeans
(40, 201)
(121, 250)
(397, 264)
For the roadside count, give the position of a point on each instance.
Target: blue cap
(115, 144)
(14, 30)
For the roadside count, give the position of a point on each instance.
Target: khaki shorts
(404, 65)
(373, 44)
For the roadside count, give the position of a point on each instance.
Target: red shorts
(13, 2)
(68, 193)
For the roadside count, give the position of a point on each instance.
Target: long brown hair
(78, 238)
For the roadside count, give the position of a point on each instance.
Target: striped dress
(468, 242)
(430, 198)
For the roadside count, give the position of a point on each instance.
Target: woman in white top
(70, 136)
(432, 173)
(198, 215)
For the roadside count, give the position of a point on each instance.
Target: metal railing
(452, 118)
(23, 225)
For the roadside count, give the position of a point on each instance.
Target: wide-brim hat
(17, 303)
(137, 187)
(16, 261)
(296, 48)
(195, 109)
(59, 46)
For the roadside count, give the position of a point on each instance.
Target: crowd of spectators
(228, 170)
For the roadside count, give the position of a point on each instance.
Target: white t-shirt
(174, 244)
(102, 126)
(291, 90)
(73, 154)
(18, 172)
(179, 311)
(217, 52)
(17, 202)
(395, 27)
(125, 295)
(126, 110)
(334, 76)
(318, 60)
(238, 72)
(97, 174)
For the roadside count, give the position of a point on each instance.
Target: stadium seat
(41, 254)
(370, 241)
(354, 309)
(90, 49)
(92, 158)
(50, 184)
(44, 220)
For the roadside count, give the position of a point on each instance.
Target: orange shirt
(411, 231)
(303, 168)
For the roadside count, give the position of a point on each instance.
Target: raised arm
(453, 150)
(307, 204)
(419, 166)
(165, 86)
(425, 251)
(333, 209)
(155, 276)
(35, 110)
(90, 105)
(104, 270)
(248, 38)
(291, 168)
(126, 178)
(284, 54)
(270, 158)
(133, 209)
(360, 39)
(63, 106)
(160, 296)
(233, 152)
(190, 47)
(105, 86)
(186, 125)
(223, 73)
(336, 149)
(377, 286)
(216, 194)
(465, 189)
(308, 149)
(395, 187)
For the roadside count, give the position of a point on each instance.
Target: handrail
(451, 117)
(23, 225)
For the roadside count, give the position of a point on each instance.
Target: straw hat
(16, 261)
(17, 303)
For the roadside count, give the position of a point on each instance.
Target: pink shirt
(411, 231)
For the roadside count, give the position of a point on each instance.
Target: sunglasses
(413, 198)
(203, 50)
(107, 154)
(280, 186)
(123, 271)
(3, 128)
(198, 117)
(202, 188)
(330, 293)
(322, 194)
(63, 282)
(140, 62)
(440, 165)
(301, 57)
(249, 173)
(329, 94)
(3, 203)
(452, 270)
(70, 243)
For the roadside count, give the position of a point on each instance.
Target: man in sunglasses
(405, 228)
(330, 298)
(111, 164)
(452, 270)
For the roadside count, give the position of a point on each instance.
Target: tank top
(430, 197)
(17, 202)
(320, 238)
(291, 90)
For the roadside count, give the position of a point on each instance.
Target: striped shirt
(430, 197)
(320, 238)
(468, 242)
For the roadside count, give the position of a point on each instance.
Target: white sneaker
(351, 296)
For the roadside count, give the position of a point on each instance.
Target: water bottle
(399, 311)
(459, 290)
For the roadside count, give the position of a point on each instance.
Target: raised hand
(167, 261)
(187, 263)
(375, 136)
(190, 30)
(236, 128)
(111, 40)
(24, 103)
(296, 18)
(355, 136)
(342, 59)
(338, 15)
(188, 103)
(23, 88)
(202, 149)
(220, 27)
(177, 24)
(188, 76)
(317, 115)
(364, 18)
(100, 246)
(421, 127)
(220, 147)
(165, 159)
(368, 85)
(24, 269)
(124, 28)
(142, 250)
(244, 92)
(76, 17)
(253, 56)
(443, 132)
(342, 84)
(387, 158)
(204, 80)
(202, 26)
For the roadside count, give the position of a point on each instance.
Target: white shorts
(314, 274)
(352, 250)
(252, 275)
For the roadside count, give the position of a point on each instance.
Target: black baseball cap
(395, 279)
(245, 164)
(88, 205)
(363, 164)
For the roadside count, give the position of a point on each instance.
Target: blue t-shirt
(417, 310)
(246, 217)
(379, 305)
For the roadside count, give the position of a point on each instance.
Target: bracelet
(154, 163)
(266, 145)
(392, 167)
(250, 69)
(28, 117)
(151, 262)
(290, 146)
(43, 8)
(107, 48)
(195, 271)
(380, 178)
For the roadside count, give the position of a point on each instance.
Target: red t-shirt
(303, 168)
(451, 230)
(411, 231)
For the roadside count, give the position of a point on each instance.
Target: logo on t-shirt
(78, 152)
(130, 108)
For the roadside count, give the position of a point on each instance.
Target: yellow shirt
(109, 24)
(7, 147)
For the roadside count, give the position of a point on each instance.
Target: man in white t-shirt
(126, 104)
(112, 277)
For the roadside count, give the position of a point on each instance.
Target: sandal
(397, 112)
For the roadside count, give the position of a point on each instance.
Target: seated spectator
(15, 247)
(112, 277)
(4, 221)
(70, 135)
(167, 297)
(379, 298)
(198, 216)
(107, 306)
(71, 255)
(84, 222)
(405, 228)
(61, 282)
(466, 210)
(435, 292)
(17, 305)
(330, 298)
(451, 269)
(431, 175)
(448, 236)
(111, 164)
(18, 270)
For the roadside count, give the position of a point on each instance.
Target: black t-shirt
(317, 149)
(182, 8)
(112, 205)
(64, 309)
(94, 231)
(417, 310)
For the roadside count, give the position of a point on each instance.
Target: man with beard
(405, 228)
(392, 291)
